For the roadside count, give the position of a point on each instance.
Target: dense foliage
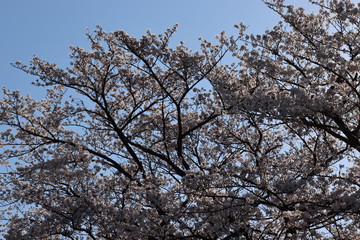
(138, 140)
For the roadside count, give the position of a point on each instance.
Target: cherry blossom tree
(140, 140)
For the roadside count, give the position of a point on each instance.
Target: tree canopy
(140, 140)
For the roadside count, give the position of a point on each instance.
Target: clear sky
(47, 28)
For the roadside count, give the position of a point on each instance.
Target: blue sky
(46, 28)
